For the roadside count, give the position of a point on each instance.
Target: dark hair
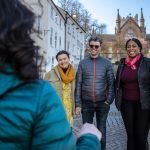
(136, 41)
(62, 52)
(96, 39)
(16, 46)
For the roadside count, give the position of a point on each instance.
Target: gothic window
(129, 34)
(52, 12)
(55, 39)
(51, 36)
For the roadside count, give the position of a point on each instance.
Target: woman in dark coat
(133, 94)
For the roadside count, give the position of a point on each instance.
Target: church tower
(142, 19)
(118, 21)
(127, 27)
(142, 25)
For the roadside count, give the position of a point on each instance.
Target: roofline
(127, 21)
(57, 7)
(74, 21)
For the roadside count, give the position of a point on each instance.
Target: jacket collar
(95, 58)
(8, 78)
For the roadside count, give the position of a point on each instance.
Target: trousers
(136, 123)
(101, 110)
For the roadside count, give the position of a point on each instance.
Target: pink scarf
(131, 61)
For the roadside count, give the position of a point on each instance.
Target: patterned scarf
(131, 61)
(68, 76)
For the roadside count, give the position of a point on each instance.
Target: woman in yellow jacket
(62, 77)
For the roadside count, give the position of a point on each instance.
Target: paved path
(116, 136)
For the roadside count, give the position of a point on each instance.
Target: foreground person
(31, 114)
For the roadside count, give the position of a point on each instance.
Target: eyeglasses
(96, 46)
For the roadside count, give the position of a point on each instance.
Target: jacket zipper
(139, 75)
(93, 82)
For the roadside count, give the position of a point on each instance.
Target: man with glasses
(95, 87)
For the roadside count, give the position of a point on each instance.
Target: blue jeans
(101, 109)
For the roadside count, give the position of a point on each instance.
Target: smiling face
(63, 61)
(132, 49)
(94, 49)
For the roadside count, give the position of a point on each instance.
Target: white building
(74, 38)
(41, 11)
(57, 31)
(55, 34)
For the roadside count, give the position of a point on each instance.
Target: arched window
(129, 34)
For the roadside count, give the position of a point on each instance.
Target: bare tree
(77, 9)
(85, 20)
(83, 17)
(101, 28)
(65, 4)
(96, 28)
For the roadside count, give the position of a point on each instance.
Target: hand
(91, 129)
(78, 110)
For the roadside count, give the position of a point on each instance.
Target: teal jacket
(32, 117)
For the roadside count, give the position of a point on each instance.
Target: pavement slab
(116, 134)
